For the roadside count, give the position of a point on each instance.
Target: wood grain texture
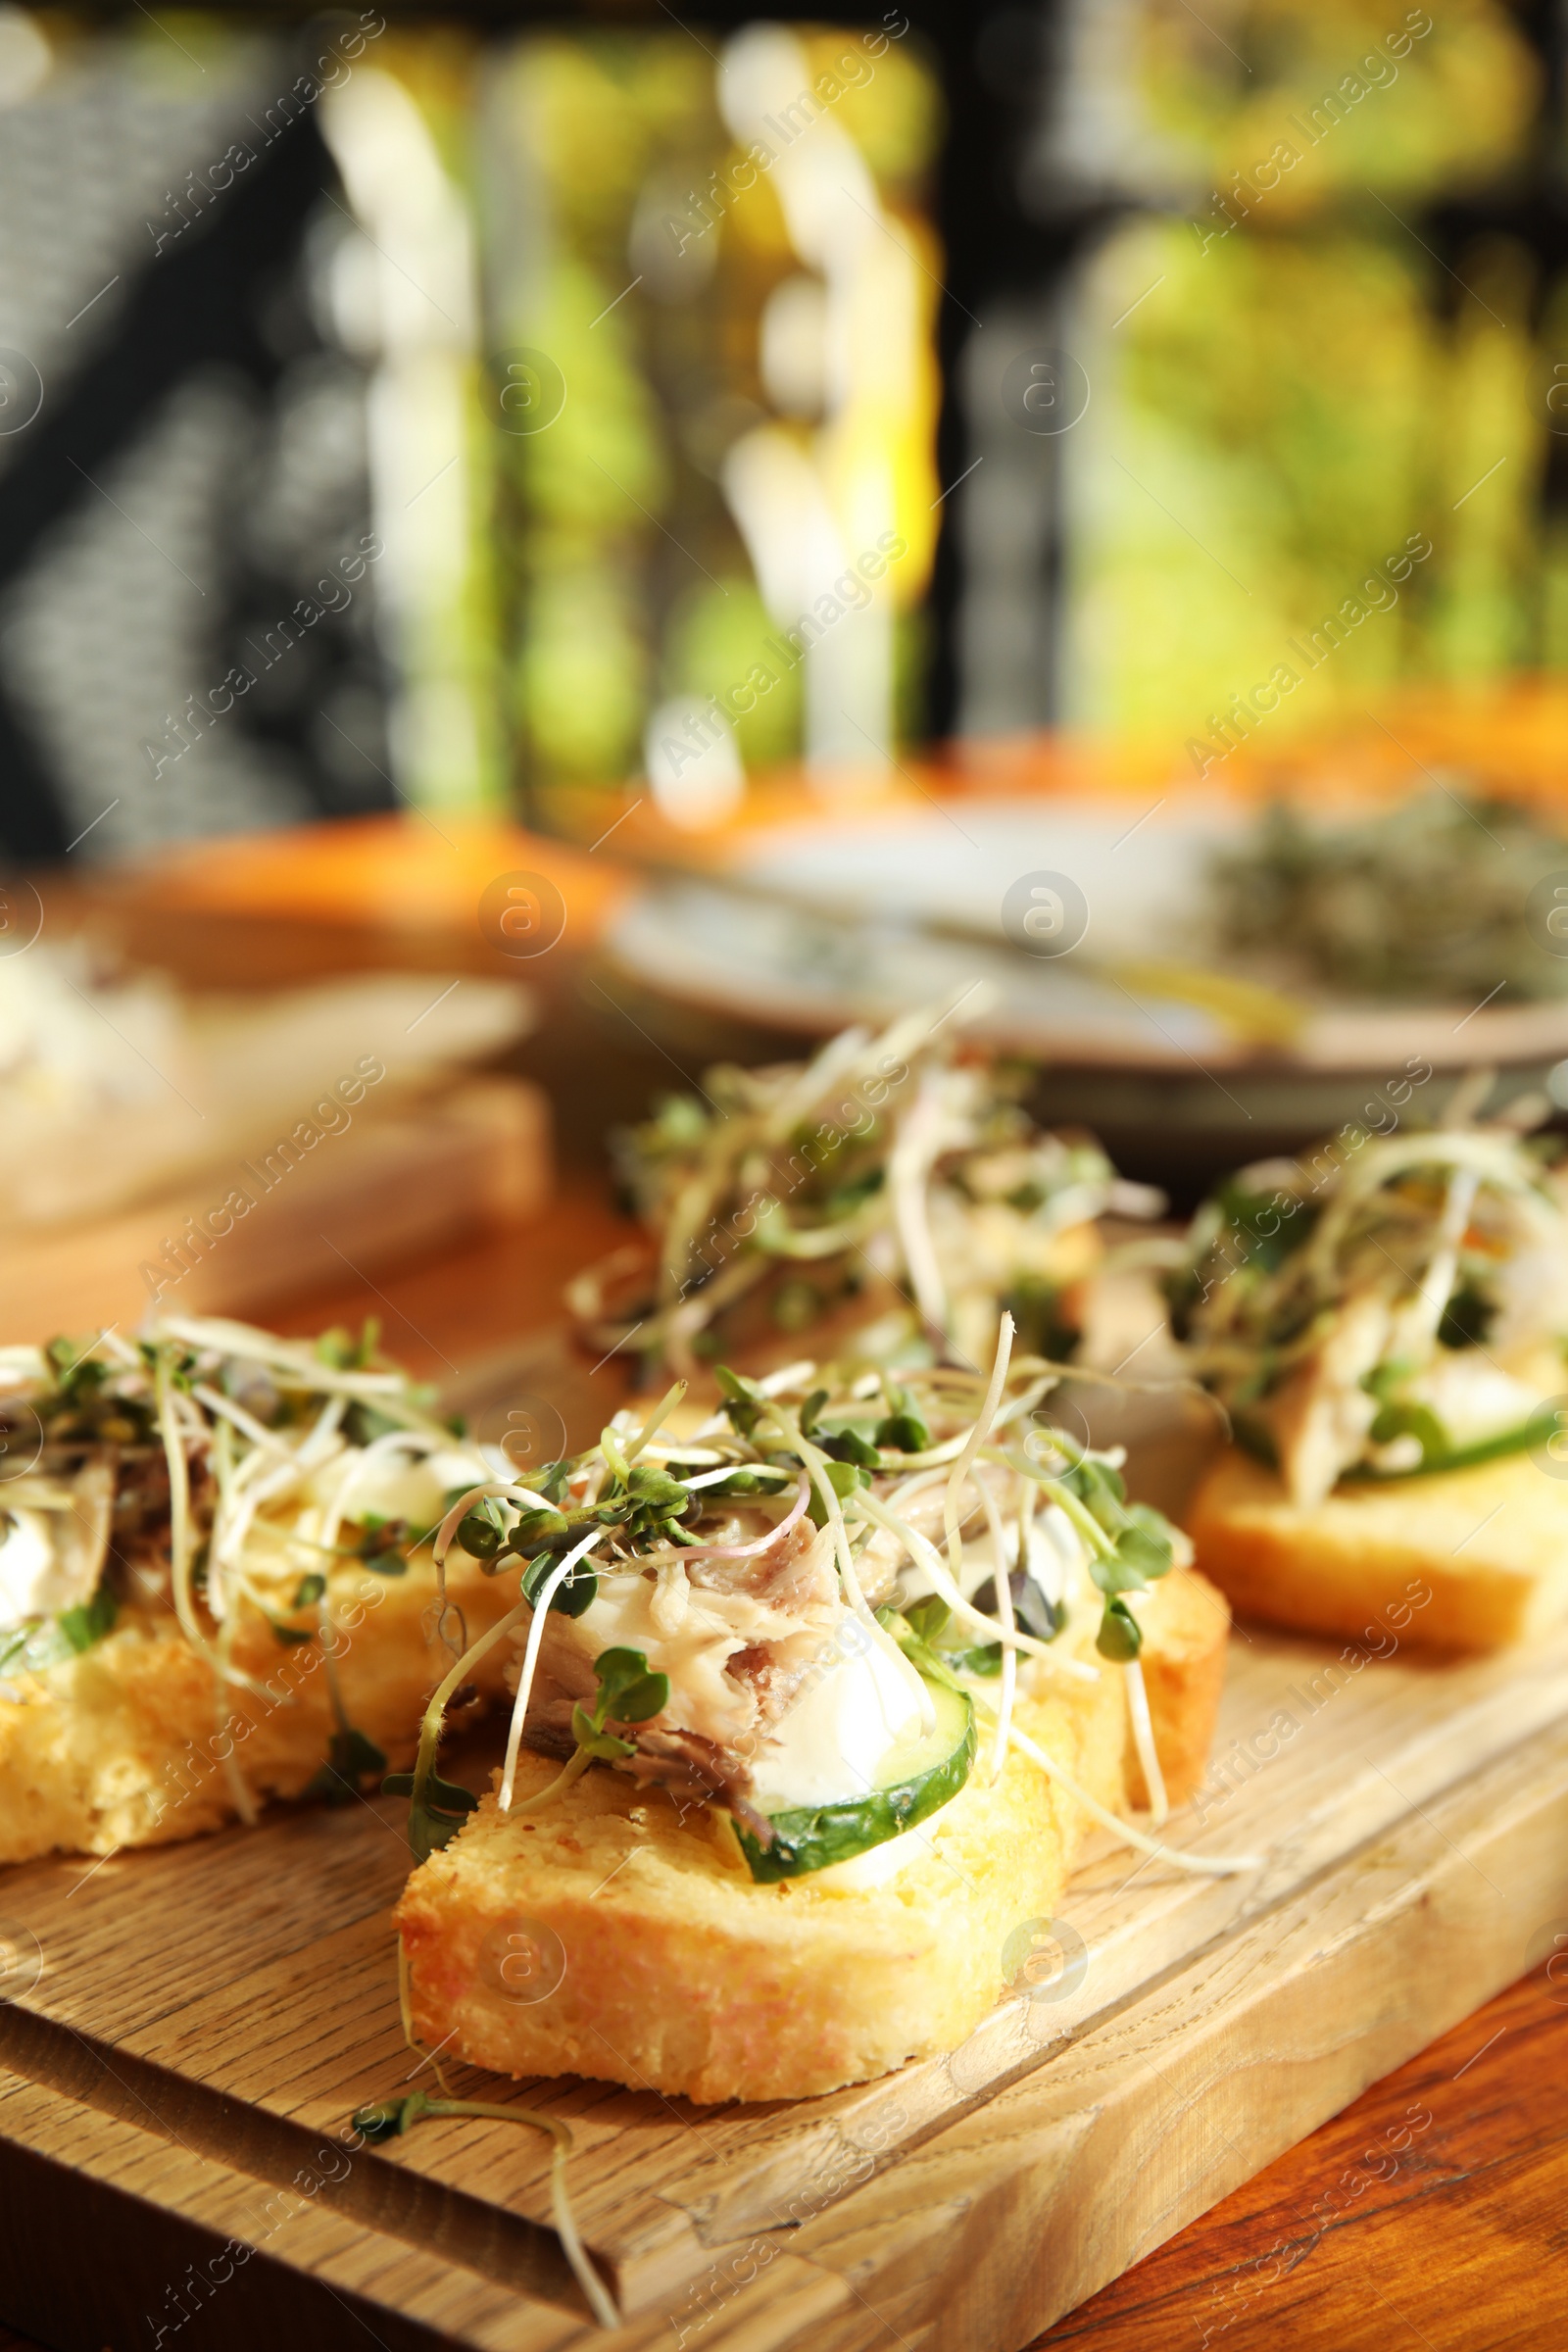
(228, 2004)
(1448, 2232)
(179, 2080)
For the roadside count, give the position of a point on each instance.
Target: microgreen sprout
(386, 2120)
(765, 1201)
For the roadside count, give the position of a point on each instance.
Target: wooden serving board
(174, 2086)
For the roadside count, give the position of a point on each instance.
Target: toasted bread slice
(129, 1744)
(616, 1936)
(1463, 1560)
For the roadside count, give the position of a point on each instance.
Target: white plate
(1145, 882)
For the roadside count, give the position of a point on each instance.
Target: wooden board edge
(973, 2241)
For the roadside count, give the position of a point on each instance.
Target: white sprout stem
(251, 1345)
(179, 1510)
(1438, 1281)
(536, 1633)
(179, 1548)
(972, 1445)
(1492, 1160)
(908, 1164)
(1010, 1656)
(1026, 1399)
(815, 1463)
(322, 1436)
(435, 1706)
(923, 1549)
(1144, 1742)
(500, 1489)
(223, 1478)
(600, 2300)
(651, 1427)
(225, 1410)
(712, 1478)
(925, 1554)
(747, 1551)
(1208, 1866)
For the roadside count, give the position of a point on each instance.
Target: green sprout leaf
(627, 1691)
(627, 1694)
(535, 1528)
(844, 1478)
(351, 1758)
(436, 1812)
(848, 1446)
(929, 1618)
(810, 1409)
(1143, 1552)
(919, 1653)
(1120, 1635)
(308, 1593)
(744, 1400)
(1406, 1420)
(570, 1599)
(480, 1533)
(82, 1627)
(902, 1432)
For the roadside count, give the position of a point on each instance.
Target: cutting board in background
(399, 1181)
(114, 1091)
(176, 2082)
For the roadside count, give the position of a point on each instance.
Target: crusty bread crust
(1487, 1548)
(127, 1744)
(682, 1974)
(1187, 1624)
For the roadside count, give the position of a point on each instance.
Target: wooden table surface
(1455, 2240)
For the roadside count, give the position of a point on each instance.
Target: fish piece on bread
(843, 1678)
(1385, 1323)
(679, 1972)
(215, 1580)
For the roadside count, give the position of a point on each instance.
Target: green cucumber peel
(813, 1838)
(1521, 1438)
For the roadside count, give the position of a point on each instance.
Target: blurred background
(669, 518)
(519, 294)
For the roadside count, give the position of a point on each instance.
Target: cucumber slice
(920, 1776)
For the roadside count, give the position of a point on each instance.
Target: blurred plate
(849, 940)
